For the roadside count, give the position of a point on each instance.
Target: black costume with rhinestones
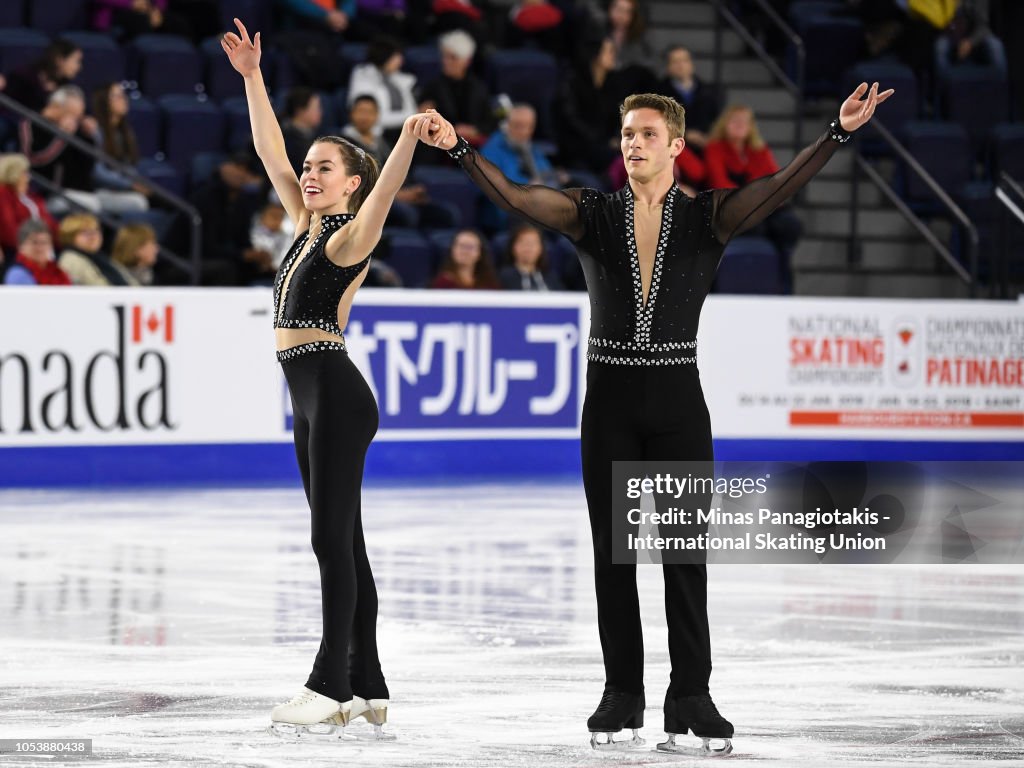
(644, 399)
(308, 295)
(334, 419)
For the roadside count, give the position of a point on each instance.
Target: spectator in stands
(735, 155)
(335, 16)
(527, 269)
(227, 202)
(303, 115)
(68, 167)
(513, 151)
(135, 252)
(969, 39)
(33, 86)
(457, 93)
(18, 203)
(385, 17)
(131, 18)
(272, 233)
(34, 264)
(309, 37)
(588, 107)
(381, 78)
(627, 28)
(468, 264)
(115, 136)
(536, 23)
(459, 14)
(702, 101)
(364, 130)
(82, 257)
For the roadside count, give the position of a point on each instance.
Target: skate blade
(317, 732)
(709, 748)
(377, 734)
(610, 745)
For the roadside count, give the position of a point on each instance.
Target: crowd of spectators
(350, 76)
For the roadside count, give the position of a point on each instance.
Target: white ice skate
(310, 715)
(375, 712)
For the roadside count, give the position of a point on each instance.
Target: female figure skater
(339, 205)
(650, 253)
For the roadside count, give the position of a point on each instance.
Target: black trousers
(635, 413)
(335, 418)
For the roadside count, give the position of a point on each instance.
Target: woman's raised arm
(244, 55)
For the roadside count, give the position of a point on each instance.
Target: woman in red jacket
(17, 203)
(735, 155)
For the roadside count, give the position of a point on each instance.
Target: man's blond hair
(670, 109)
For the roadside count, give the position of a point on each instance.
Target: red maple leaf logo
(906, 335)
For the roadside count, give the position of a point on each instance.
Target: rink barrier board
(426, 461)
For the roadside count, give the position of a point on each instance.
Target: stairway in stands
(894, 260)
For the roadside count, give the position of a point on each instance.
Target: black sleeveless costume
(335, 417)
(644, 399)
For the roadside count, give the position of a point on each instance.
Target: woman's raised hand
(856, 110)
(243, 53)
(430, 128)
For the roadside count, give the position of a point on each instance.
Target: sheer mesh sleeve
(555, 209)
(737, 210)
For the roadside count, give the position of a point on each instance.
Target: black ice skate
(698, 714)
(616, 711)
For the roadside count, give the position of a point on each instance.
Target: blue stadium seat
(56, 16)
(203, 166)
(353, 53)
(831, 45)
(409, 254)
(20, 47)
(190, 126)
(749, 265)
(1008, 149)
(944, 150)
(424, 61)
(222, 81)
(977, 98)
(441, 241)
(165, 64)
(451, 185)
(144, 117)
(526, 75)
(12, 14)
(255, 13)
(164, 174)
(102, 60)
(239, 129)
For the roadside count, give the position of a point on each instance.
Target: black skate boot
(616, 711)
(698, 714)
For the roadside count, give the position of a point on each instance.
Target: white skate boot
(311, 715)
(375, 712)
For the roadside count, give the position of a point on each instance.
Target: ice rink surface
(164, 625)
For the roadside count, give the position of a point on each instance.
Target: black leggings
(635, 413)
(335, 418)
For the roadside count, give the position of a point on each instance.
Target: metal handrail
(161, 193)
(1010, 207)
(55, 189)
(796, 88)
(970, 277)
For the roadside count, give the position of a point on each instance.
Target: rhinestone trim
(460, 150)
(837, 133)
(663, 346)
(598, 358)
(328, 224)
(305, 349)
(645, 314)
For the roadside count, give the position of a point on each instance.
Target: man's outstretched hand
(857, 110)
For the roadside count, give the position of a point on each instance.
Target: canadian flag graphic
(152, 322)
